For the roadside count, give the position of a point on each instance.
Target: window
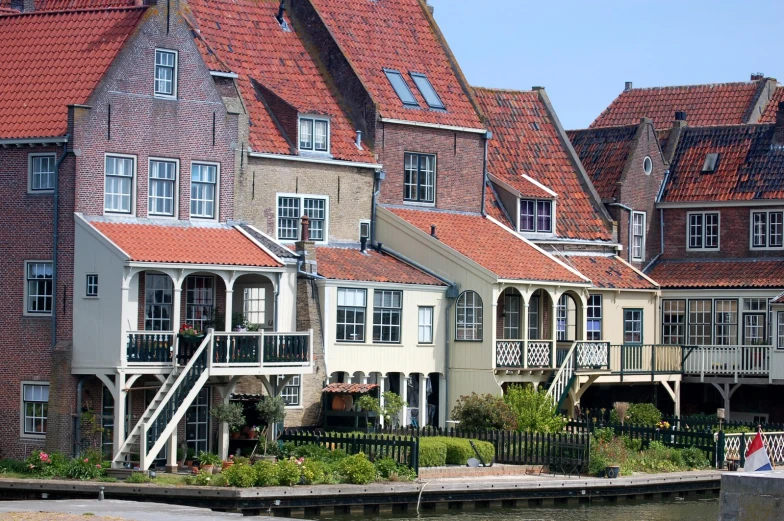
(40, 292)
(119, 184)
(351, 315)
(560, 318)
(647, 165)
(511, 316)
(726, 313)
(533, 318)
(638, 235)
(700, 325)
(162, 187)
(536, 216)
(427, 91)
(165, 73)
(35, 408)
(703, 231)
(469, 316)
(420, 178)
(632, 326)
(780, 345)
(594, 317)
(158, 291)
(364, 230)
(91, 285)
(425, 325)
(42, 172)
(204, 180)
(674, 322)
(291, 391)
(711, 163)
(199, 301)
(401, 87)
(754, 322)
(387, 314)
(767, 229)
(197, 422)
(289, 214)
(314, 134)
(254, 305)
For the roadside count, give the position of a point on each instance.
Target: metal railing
(734, 361)
(523, 353)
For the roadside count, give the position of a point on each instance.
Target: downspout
(629, 231)
(379, 176)
(447, 360)
(78, 428)
(56, 237)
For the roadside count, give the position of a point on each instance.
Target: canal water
(690, 510)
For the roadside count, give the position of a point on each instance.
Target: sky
(582, 52)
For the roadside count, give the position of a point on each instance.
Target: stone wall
(753, 496)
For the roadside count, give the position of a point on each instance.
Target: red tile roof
(399, 35)
(603, 153)
(779, 299)
(244, 37)
(490, 245)
(61, 5)
(184, 244)
(352, 264)
(526, 141)
(769, 116)
(738, 274)
(609, 272)
(714, 104)
(349, 388)
(748, 168)
(494, 208)
(53, 59)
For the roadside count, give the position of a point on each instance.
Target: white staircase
(559, 388)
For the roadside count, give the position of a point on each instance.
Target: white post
(442, 405)
(176, 318)
(554, 333)
(524, 334)
(223, 427)
(404, 396)
(143, 446)
(678, 398)
(381, 390)
(229, 306)
(422, 399)
(171, 460)
(119, 394)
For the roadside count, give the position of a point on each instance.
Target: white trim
(643, 238)
(134, 176)
(175, 73)
(25, 310)
(193, 268)
(767, 246)
(216, 204)
(688, 231)
(434, 125)
(302, 198)
(97, 285)
(647, 171)
(257, 243)
(221, 74)
(558, 240)
(30, 157)
(425, 204)
(533, 234)
(721, 204)
(314, 118)
(22, 433)
(176, 190)
(324, 161)
(540, 185)
(639, 272)
(365, 284)
(45, 141)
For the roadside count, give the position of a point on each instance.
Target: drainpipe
(629, 231)
(379, 176)
(56, 237)
(78, 428)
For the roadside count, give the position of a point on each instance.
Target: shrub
(432, 452)
(484, 412)
(45, 465)
(239, 475)
(139, 477)
(634, 445)
(605, 435)
(208, 458)
(13, 465)
(459, 450)
(230, 413)
(84, 468)
(310, 452)
(203, 479)
(694, 458)
(266, 473)
(357, 469)
(288, 472)
(385, 467)
(271, 409)
(534, 410)
(644, 414)
(313, 471)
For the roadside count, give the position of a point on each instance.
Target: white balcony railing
(727, 361)
(523, 353)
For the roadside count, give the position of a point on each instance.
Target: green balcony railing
(150, 347)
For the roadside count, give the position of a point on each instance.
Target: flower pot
(227, 464)
(612, 471)
(252, 435)
(235, 435)
(207, 469)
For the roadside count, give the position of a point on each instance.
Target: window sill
(419, 203)
(367, 344)
(316, 154)
(91, 297)
(165, 96)
(36, 315)
(294, 407)
(426, 345)
(40, 192)
(33, 437)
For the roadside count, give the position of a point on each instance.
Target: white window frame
(361, 224)
(302, 198)
(175, 73)
(354, 308)
(216, 204)
(22, 415)
(313, 119)
(641, 255)
(195, 407)
(593, 305)
(417, 201)
(703, 231)
(380, 311)
(26, 307)
(30, 162)
(668, 310)
(296, 378)
(767, 245)
(422, 327)
(647, 165)
(175, 187)
(536, 231)
(133, 158)
(476, 326)
(250, 305)
(780, 317)
(211, 297)
(90, 284)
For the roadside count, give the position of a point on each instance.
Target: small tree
(368, 404)
(484, 412)
(534, 411)
(232, 414)
(393, 404)
(272, 410)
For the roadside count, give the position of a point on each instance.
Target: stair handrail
(563, 376)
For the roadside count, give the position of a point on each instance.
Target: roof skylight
(711, 162)
(427, 90)
(401, 87)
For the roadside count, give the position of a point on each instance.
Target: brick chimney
(778, 132)
(756, 76)
(306, 249)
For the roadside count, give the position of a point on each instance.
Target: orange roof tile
(714, 104)
(53, 59)
(603, 153)
(398, 35)
(490, 245)
(245, 37)
(525, 141)
(62, 5)
(732, 273)
(372, 266)
(184, 244)
(609, 272)
(769, 116)
(348, 388)
(494, 208)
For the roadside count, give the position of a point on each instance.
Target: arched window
(469, 316)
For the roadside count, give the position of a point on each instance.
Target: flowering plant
(187, 330)
(663, 425)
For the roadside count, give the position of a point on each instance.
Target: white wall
(613, 305)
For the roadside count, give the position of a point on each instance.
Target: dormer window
(401, 87)
(427, 91)
(711, 163)
(165, 73)
(536, 215)
(313, 134)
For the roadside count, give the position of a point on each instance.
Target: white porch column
(678, 399)
(119, 393)
(442, 405)
(583, 319)
(422, 399)
(176, 319)
(171, 452)
(381, 390)
(229, 306)
(404, 396)
(554, 333)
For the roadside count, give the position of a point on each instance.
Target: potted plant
(370, 406)
(231, 413)
(235, 432)
(190, 339)
(189, 457)
(612, 471)
(271, 410)
(208, 461)
(228, 463)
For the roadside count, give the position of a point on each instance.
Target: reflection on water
(702, 510)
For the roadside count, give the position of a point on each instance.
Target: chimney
(358, 143)
(363, 244)
(756, 76)
(627, 86)
(433, 231)
(778, 132)
(305, 248)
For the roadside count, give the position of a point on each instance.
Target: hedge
(438, 451)
(432, 452)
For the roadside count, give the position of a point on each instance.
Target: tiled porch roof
(734, 273)
(609, 272)
(184, 244)
(372, 266)
(347, 388)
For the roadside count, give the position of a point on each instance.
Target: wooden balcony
(728, 361)
(523, 354)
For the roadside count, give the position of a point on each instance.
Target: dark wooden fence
(599, 419)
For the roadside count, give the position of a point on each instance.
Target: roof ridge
(81, 10)
(695, 85)
(503, 89)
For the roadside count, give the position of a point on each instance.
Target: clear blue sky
(582, 51)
